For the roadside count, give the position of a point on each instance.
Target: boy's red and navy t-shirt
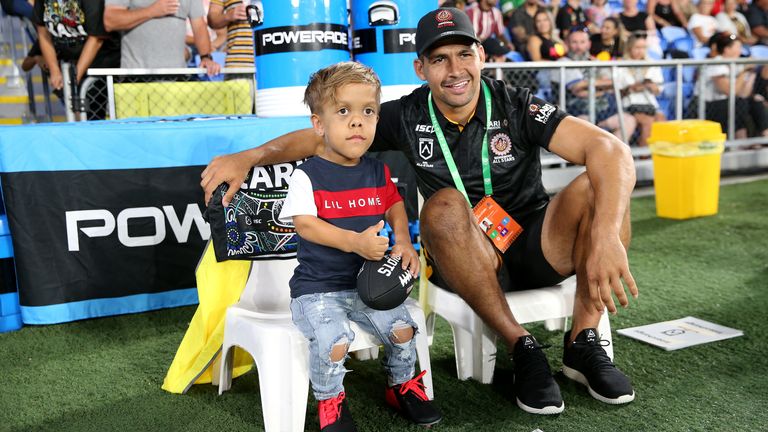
(349, 197)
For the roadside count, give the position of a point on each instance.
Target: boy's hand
(370, 245)
(410, 257)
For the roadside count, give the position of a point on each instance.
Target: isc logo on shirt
(425, 128)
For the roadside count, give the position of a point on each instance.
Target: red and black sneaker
(412, 403)
(335, 416)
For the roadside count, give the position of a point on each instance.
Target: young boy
(337, 201)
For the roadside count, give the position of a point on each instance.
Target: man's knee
(444, 200)
(445, 211)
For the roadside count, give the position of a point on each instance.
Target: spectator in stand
(635, 20)
(230, 14)
(639, 88)
(73, 31)
(522, 25)
(487, 20)
(731, 21)
(757, 16)
(544, 44)
(717, 7)
(154, 31)
(717, 89)
(18, 8)
(702, 24)
(458, 4)
(577, 87)
(217, 36)
(598, 12)
(687, 8)
(608, 44)
(743, 6)
(570, 15)
(666, 13)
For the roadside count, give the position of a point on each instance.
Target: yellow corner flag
(219, 285)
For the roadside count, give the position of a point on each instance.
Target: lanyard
(484, 152)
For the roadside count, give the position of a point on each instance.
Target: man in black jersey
(480, 138)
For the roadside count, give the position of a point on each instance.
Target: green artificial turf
(105, 374)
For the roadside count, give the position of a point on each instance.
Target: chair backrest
(515, 56)
(700, 53)
(758, 51)
(267, 287)
(673, 33)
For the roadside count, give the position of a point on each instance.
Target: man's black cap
(440, 24)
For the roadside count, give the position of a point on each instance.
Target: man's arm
(218, 19)
(203, 44)
(233, 168)
(49, 54)
(368, 244)
(90, 49)
(611, 173)
(117, 18)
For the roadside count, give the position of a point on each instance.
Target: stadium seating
(758, 51)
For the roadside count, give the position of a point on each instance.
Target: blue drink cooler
(384, 38)
(10, 313)
(296, 39)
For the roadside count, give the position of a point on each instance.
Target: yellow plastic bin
(686, 167)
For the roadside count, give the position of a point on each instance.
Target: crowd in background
(181, 33)
(540, 30)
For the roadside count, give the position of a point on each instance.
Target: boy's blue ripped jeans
(324, 319)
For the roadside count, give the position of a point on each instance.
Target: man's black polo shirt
(520, 125)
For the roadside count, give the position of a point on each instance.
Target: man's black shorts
(523, 264)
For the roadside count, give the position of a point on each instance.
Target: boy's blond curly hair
(323, 84)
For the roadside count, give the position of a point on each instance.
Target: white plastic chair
(475, 344)
(261, 325)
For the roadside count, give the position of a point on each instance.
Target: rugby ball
(383, 284)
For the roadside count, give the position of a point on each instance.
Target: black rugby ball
(383, 284)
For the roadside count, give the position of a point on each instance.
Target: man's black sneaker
(586, 362)
(335, 416)
(412, 403)
(535, 388)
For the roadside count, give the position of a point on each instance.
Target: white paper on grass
(680, 333)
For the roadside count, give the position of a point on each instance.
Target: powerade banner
(249, 228)
(312, 37)
(106, 217)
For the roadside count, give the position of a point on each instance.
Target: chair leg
(225, 367)
(422, 351)
(485, 354)
(463, 350)
(429, 328)
(283, 395)
(604, 330)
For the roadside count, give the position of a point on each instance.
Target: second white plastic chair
(475, 343)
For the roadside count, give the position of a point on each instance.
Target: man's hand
(237, 13)
(369, 244)
(410, 257)
(607, 265)
(211, 67)
(56, 79)
(162, 8)
(231, 169)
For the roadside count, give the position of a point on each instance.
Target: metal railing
(685, 72)
(96, 97)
